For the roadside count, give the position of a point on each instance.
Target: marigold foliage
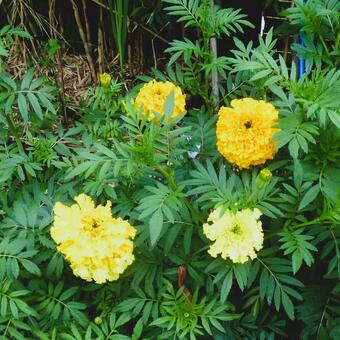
(98, 246)
(236, 236)
(105, 79)
(152, 97)
(245, 132)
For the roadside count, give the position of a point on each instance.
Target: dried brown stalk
(100, 41)
(87, 26)
(135, 22)
(84, 40)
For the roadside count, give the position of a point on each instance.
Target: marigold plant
(235, 239)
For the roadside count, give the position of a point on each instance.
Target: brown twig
(182, 274)
(214, 76)
(135, 22)
(87, 26)
(100, 41)
(286, 48)
(84, 40)
(59, 75)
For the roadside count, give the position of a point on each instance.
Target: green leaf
(3, 306)
(26, 81)
(35, 105)
(169, 105)
(310, 195)
(20, 33)
(296, 261)
(287, 305)
(137, 330)
(30, 267)
(335, 118)
(46, 103)
(226, 286)
(155, 226)
(22, 105)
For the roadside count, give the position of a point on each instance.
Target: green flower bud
(266, 175)
(98, 320)
(263, 178)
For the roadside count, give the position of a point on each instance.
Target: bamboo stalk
(214, 76)
(135, 22)
(59, 75)
(83, 38)
(286, 48)
(87, 26)
(100, 41)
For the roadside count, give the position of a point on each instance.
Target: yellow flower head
(98, 246)
(105, 79)
(245, 132)
(153, 95)
(235, 236)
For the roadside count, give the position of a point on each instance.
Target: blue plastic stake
(302, 61)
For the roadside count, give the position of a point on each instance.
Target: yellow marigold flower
(98, 246)
(245, 132)
(105, 79)
(153, 95)
(236, 236)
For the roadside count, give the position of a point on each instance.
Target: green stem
(315, 221)
(107, 108)
(13, 130)
(324, 44)
(171, 180)
(207, 56)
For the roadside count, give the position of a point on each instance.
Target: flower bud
(98, 320)
(105, 79)
(266, 175)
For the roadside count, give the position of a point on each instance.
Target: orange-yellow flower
(152, 96)
(245, 132)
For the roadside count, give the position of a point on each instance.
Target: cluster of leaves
(200, 64)
(165, 176)
(319, 23)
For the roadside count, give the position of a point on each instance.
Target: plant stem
(315, 221)
(324, 45)
(84, 40)
(171, 180)
(13, 130)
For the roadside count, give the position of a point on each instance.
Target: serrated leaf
(22, 105)
(155, 226)
(309, 196)
(35, 105)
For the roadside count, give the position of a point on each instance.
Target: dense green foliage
(165, 177)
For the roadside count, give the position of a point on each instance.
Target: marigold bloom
(236, 236)
(153, 95)
(105, 79)
(98, 246)
(245, 132)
